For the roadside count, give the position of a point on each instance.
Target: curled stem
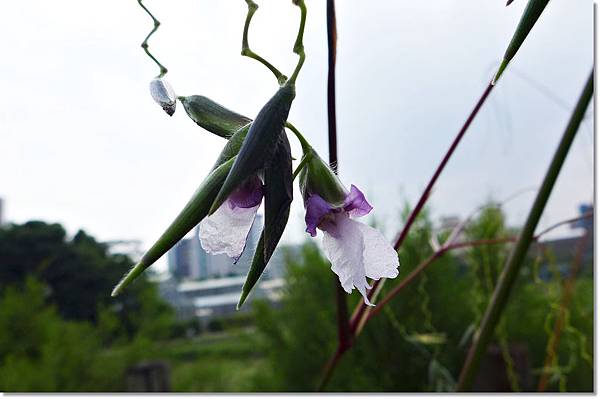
(299, 45)
(163, 70)
(247, 52)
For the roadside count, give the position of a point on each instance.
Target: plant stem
(344, 333)
(517, 256)
(299, 45)
(162, 68)
(424, 197)
(246, 51)
(377, 286)
(306, 148)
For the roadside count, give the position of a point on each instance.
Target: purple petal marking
(356, 204)
(316, 209)
(248, 195)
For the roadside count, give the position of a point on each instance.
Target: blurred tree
(79, 275)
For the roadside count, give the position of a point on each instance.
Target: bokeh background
(85, 148)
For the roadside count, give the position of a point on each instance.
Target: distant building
(188, 260)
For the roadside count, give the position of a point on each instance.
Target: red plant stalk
(344, 334)
(359, 311)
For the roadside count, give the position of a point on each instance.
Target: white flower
(356, 250)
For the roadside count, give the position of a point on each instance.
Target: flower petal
(316, 209)
(226, 230)
(249, 194)
(358, 251)
(163, 94)
(356, 204)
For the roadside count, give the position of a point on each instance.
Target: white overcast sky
(83, 144)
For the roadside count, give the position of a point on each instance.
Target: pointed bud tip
(241, 301)
(116, 291)
(509, 2)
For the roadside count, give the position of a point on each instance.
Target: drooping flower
(226, 230)
(356, 250)
(163, 94)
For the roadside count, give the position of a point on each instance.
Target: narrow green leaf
(212, 116)
(193, 212)
(260, 143)
(532, 12)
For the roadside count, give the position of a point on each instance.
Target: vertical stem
(519, 251)
(344, 337)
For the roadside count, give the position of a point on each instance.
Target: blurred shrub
(418, 343)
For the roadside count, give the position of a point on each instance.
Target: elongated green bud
(194, 211)
(212, 116)
(260, 143)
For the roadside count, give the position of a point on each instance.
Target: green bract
(318, 178)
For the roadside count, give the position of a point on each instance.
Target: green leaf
(532, 12)
(260, 143)
(212, 116)
(194, 211)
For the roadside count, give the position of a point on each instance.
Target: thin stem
(301, 165)
(306, 148)
(344, 331)
(299, 45)
(425, 196)
(162, 68)
(246, 51)
(515, 259)
(377, 285)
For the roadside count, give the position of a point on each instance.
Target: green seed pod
(260, 143)
(212, 116)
